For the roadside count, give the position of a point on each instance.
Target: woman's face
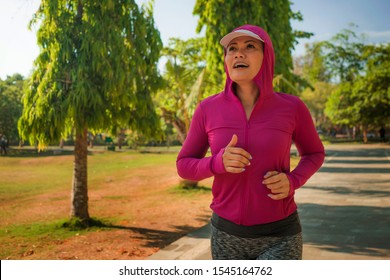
(244, 57)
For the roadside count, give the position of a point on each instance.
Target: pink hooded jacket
(276, 121)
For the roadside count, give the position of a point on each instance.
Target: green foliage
(11, 91)
(363, 95)
(184, 78)
(344, 56)
(349, 82)
(135, 139)
(371, 92)
(220, 17)
(316, 89)
(96, 69)
(338, 107)
(313, 64)
(315, 98)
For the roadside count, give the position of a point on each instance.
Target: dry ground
(145, 209)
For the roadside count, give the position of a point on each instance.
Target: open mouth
(240, 65)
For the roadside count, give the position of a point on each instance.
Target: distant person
(3, 144)
(382, 133)
(249, 129)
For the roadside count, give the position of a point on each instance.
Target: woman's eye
(250, 46)
(231, 49)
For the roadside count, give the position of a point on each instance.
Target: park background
(138, 204)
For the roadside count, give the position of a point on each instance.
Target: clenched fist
(235, 159)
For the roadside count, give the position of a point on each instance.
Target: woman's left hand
(278, 183)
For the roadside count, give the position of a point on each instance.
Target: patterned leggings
(230, 247)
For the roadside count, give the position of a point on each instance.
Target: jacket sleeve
(309, 146)
(191, 162)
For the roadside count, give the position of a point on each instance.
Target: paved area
(344, 210)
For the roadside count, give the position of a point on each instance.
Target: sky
(174, 18)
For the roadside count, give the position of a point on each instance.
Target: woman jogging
(249, 129)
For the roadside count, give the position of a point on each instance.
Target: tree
(362, 97)
(374, 87)
(96, 70)
(344, 56)
(184, 77)
(311, 67)
(273, 16)
(344, 61)
(315, 98)
(371, 92)
(11, 90)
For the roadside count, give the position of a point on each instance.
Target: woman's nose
(239, 53)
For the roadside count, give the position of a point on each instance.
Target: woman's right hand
(235, 159)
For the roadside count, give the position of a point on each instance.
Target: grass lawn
(136, 191)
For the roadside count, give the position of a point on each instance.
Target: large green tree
(11, 90)
(96, 69)
(344, 56)
(369, 94)
(373, 88)
(220, 17)
(362, 97)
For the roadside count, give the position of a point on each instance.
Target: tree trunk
(349, 133)
(177, 123)
(365, 140)
(80, 178)
(121, 138)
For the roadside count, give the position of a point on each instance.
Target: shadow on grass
(183, 190)
(153, 237)
(157, 238)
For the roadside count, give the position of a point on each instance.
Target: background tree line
(97, 71)
(349, 84)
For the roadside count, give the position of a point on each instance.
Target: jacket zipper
(245, 189)
(245, 177)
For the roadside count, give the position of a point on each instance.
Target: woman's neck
(248, 94)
